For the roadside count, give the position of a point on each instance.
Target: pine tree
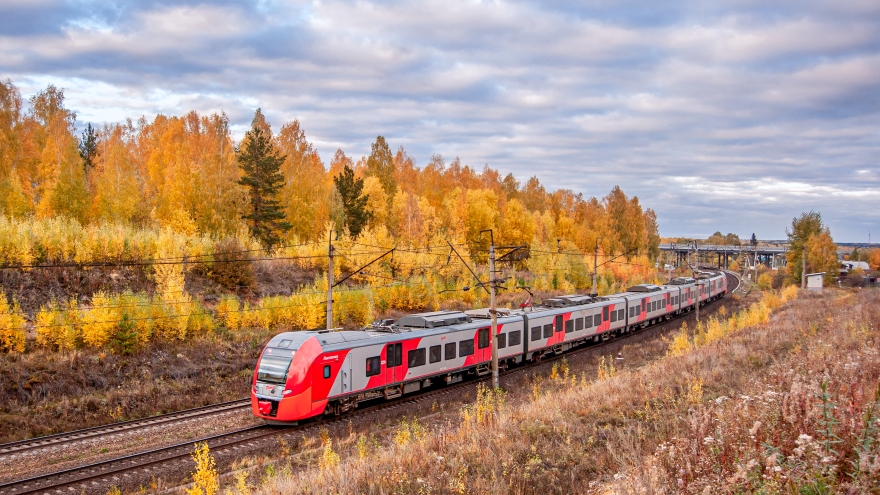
(260, 164)
(354, 204)
(88, 147)
(754, 240)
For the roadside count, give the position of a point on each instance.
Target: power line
(193, 258)
(256, 308)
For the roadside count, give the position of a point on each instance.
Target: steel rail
(11, 449)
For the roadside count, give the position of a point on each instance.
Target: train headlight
(287, 392)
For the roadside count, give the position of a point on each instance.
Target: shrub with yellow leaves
(99, 320)
(206, 481)
(227, 311)
(57, 325)
(12, 325)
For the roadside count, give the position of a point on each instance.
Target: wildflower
(755, 428)
(777, 469)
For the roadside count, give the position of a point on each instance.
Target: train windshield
(273, 369)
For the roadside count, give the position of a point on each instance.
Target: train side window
(597, 320)
(589, 321)
(415, 358)
(536, 333)
(569, 326)
(449, 351)
(620, 314)
(483, 338)
(326, 371)
(548, 331)
(605, 313)
(613, 316)
(466, 347)
(515, 338)
(434, 354)
(373, 366)
(502, 340)
(644, 304)
(558, 323)
(578, 324)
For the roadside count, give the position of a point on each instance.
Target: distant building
(814, 281)
(848, 266)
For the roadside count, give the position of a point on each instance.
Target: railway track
(9, 451)
(128, 469)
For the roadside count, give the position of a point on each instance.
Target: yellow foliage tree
(481, 214)
(822, 255)
(517, 226)
(12, 325)
(57, 326)
(206, 481)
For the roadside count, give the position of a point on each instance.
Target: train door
(484, 345)
(393, 360)
(342, 385)
(605, 315)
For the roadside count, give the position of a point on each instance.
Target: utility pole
(699, 293)
(330, 283)
(804, 266)
(493, 309)
(595, 292)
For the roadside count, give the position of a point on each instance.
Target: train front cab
(281, 389)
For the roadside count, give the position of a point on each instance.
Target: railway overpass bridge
(722, 255)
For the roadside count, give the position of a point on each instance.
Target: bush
(765, 280)
(231, 267)
(57, 325)
(12, 330)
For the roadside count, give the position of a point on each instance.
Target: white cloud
(754, 111)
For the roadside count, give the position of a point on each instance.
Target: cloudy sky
(721, 115)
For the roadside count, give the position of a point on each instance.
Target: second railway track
(12, 450)
(123, 470)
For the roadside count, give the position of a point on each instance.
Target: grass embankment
(752, 403)
(47, 392)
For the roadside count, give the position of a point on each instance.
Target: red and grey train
(308, 373)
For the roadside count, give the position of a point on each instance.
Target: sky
(730, 115)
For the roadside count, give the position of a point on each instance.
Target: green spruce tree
(354, 203)
(88, 147)
(261, 165)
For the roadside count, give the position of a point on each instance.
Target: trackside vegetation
(779, 397)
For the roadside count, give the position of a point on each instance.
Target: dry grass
(43, 392)
(742, 413)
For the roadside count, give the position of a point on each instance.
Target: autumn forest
(174, 186)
